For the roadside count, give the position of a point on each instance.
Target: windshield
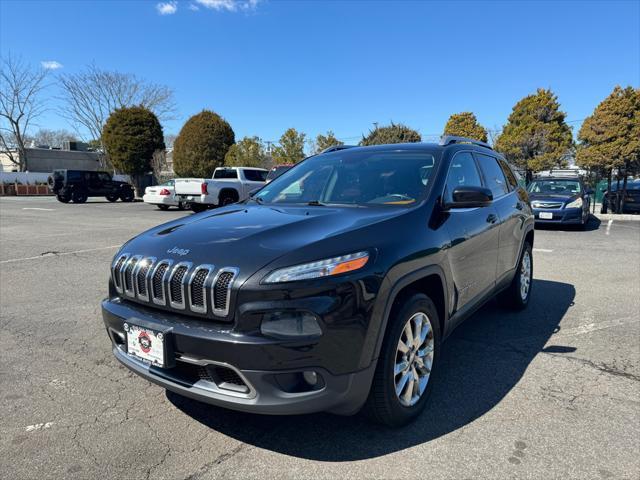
(555, 187)
(277, 171)
(354, 178)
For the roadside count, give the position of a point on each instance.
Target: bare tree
(51, 138)
(89, 97)
(20, 104)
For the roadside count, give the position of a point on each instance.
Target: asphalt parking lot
(551, 392)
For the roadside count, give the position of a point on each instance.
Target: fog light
(310, 377)
(290, 325)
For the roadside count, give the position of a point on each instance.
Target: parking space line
(609, 223)
(49, 255)
(41, 209)
(543, 250)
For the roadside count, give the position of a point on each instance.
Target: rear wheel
(227, 198)
(163, 207)
(198, 207)
(127, 196)
(112, 198)
(64, 196)
(79, 196)
(403, 379)
(518, 294)
(181, 206)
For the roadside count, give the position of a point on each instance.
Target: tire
(163, 207)
(226, 199)
(63, 197)
(79, 196)
(384, 405)
(127, 196)
(198, 207)
(112, 198)
(514, 296)
(181, 206)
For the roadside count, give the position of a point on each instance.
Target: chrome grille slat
(198, 288)
(221, 290)
(141, 277)
(176, 287)
(116, 271)
(158, 281)
(127, 275)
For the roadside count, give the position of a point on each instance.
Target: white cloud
(193, 7)
(51, 65)
(167, 8)
(229, 5)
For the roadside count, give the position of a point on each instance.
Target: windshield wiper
(316, 203)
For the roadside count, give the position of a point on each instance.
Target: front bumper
(564, 216)
(271, 387)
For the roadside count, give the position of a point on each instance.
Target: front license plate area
(546, 215)
(146, 344)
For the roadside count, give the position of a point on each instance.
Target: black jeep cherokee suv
(78, 185)
(332, 288)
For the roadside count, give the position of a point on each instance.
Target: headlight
(321, 268)
(577, 203)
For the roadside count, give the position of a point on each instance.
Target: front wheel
(163, 207)
(518, 294)
(127, 196)
(112, 198)
(403, 379)
(78, 196)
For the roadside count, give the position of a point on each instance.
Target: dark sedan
(560, 200)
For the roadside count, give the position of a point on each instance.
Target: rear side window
(511, 178)
(255, 175)
(225, 173)
(462, 172)
(493, 175)
(74, 176)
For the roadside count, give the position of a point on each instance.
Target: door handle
(492, 218)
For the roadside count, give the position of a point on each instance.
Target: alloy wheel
(414, 359)
(525, 275)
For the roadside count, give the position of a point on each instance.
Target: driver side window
(462, 172)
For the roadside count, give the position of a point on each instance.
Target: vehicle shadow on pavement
(480, 363)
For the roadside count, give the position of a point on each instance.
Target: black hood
(251, 236)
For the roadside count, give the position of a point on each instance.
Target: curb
(625, 217)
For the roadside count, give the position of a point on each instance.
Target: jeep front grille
(200, 289)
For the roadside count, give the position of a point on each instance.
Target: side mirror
(470, 197)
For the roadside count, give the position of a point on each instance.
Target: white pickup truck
(227, 185)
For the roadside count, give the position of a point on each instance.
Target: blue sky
(270, 65)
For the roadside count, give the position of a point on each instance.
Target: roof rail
(335, 148)
(451, 139)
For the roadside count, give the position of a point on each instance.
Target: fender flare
(393, 294)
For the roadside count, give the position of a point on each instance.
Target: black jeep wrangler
(331, 288)
(78, 185)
